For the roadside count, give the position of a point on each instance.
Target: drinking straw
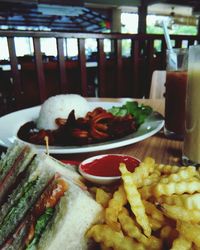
(169, 46)
(167, 38)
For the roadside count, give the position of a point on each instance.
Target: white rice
(60, 106)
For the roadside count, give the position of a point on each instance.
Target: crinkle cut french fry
(151, 179)
(111, 238)
(146, 192)
(143, 171)
(181, 243)
(176, 188)
(103, 247)
(180, 213)
(190, 231)
(152, 210)
(114, 207)
(145, 168)
(176, 191)
(154, 243)
(102, 197)
(191, 201)
(167, 169)
(180, 175)
(134, 199)
(188, 201)
(132, 230)
(155, 224)
(129, 226)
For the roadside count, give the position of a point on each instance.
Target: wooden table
(163, 150)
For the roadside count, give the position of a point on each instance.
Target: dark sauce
(79, 131)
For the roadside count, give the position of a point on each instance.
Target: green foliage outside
(176, 30)
(155, 29)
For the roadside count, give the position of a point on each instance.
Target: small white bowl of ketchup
(104, 169)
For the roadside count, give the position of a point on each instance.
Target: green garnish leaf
(40, 227)
(139, 111)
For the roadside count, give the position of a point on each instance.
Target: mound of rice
(60, 106)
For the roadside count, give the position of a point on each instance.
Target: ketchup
(108, 165)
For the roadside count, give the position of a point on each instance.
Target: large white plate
(10, 124)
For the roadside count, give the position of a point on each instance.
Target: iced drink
(175, 102)
(175, 94)
(191, 148)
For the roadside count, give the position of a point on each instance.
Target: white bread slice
(75, 214)
(49, 163)
(12, 164)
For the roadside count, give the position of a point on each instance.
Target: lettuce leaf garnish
(139, 111)
(40, 227)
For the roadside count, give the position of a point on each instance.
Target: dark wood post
(101, 68)
(61, 65)
(198, 30)
(15, 72)
(142, 13)
(39, 69)
(82, 62)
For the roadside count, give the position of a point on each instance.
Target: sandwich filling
(44, 210)
(29, 231)
(40, 201)
(11, 166)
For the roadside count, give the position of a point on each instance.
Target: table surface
(162, 149)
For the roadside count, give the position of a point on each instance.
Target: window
(4, 54)
(176, 25)
(129, 23)
(23, 46)
(48, 46)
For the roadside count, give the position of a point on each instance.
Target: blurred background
(182, 18)
(96, 48)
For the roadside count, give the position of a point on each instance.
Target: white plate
(10, 124)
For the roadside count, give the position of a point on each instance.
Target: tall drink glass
(191, 145)
(175, 94)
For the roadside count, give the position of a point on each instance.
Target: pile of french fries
(155, 207)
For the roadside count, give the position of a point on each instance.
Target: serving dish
(104, 169)
(11, 123)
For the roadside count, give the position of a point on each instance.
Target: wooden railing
(116, 76)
